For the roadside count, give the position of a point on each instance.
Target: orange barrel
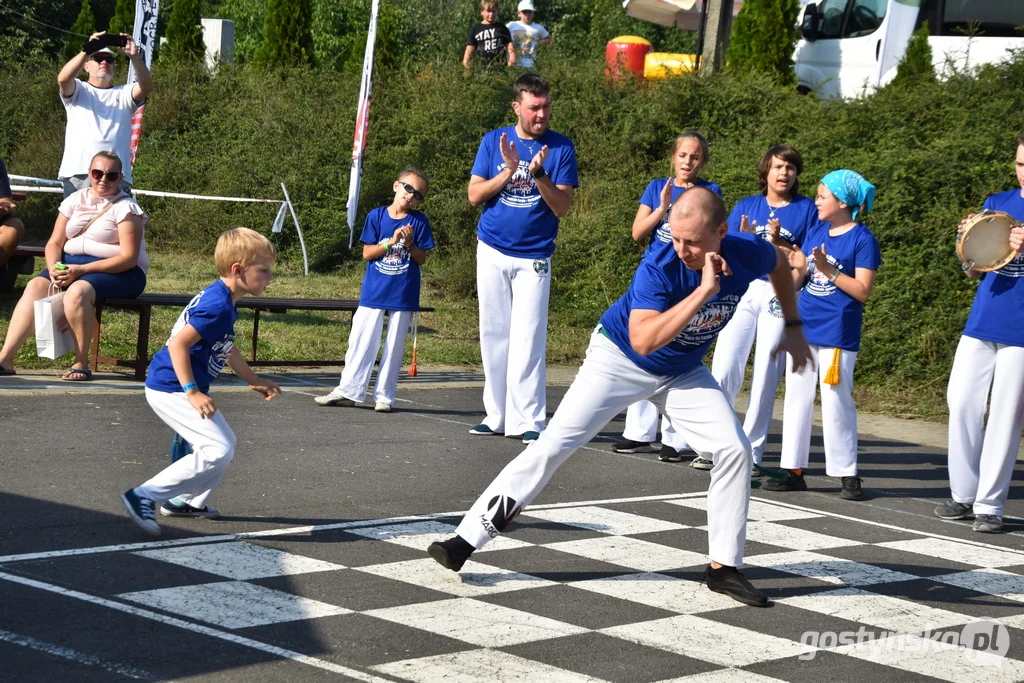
(626, 53)
(667, 64)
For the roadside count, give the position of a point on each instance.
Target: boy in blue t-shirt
(395, 243)
(178, 384)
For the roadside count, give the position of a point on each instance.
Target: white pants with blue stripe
(606, 383)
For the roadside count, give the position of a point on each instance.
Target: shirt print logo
(540, 266)
(219, 353)
(708, 322)
(395, 261)
(819, 284)
(520, 192)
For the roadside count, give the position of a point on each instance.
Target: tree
(764, 37)
(123, 21)
(916, 66)
(85, 25)
(185, 33)
(287, 34)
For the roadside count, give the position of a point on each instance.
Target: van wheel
(803, 90)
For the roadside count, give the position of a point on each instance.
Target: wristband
(384, 243)
(834, 276)
(795, 323)
(189, 387)
(539, 173)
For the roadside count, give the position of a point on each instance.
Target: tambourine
(984, 242)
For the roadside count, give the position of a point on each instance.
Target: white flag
(362, 124)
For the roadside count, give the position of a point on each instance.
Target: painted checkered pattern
(574, 590)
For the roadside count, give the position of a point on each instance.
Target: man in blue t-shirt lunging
(650, 345)
(523, 177)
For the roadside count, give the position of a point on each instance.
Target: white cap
(527, 6)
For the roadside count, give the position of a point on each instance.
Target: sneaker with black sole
(451, 554)
(483, 430)
(334, 399)
(141, 511)
(179, 508)
(792, 482)
(702, 463)
(851, 489)
(669, 454)
(988, 524)
(630, 446)
(729, 581)
(953, 510)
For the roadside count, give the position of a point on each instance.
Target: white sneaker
(382, 407)
(335, 398)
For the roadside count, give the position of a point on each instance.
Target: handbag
(53, 332)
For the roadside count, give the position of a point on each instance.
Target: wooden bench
(145, 302)
(21, 262)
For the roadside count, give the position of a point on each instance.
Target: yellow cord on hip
(832, 376)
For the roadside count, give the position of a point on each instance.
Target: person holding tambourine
(836, 271)
(989, 358)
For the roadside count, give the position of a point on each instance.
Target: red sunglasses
(99, 175)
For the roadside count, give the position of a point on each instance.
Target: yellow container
(667, 64)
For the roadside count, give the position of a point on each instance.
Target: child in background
(527, 34)
(178, 385)
(489, 39)
(395, 243)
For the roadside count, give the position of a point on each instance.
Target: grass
(448, 336)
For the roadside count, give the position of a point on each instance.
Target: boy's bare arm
(241, 368)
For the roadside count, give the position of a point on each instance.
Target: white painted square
(723, 676)
(240, 560)
(419, 535)
(478, 623)
(709, 641)
(631, 552)
(828, 569)
(957, 552)
(992, 581)
(605, 521)
(880, 611)
(660, 590)
(759, 510)
(475, 579)
(944, 661)
(794, 538)
(479, 666)
(234, 604)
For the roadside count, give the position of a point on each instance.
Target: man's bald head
(701, 204)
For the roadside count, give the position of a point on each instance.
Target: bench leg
(142, 345)
(95, 362)
(255, 332)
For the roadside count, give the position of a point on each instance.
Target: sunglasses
(101, 58)
(99, 175)
(412, 190)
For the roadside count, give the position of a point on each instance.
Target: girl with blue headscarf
(836, 268)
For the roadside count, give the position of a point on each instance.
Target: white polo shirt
(99, 119)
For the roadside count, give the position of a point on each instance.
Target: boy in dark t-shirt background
(490, 38)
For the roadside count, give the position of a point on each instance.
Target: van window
(833, 16)
(995, 18)
(850, 18)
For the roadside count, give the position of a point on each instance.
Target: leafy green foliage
(764, 37)
(916, 65)
(85, 25)
(185, 33)
(287, 40)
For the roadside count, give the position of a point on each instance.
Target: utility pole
(716, 34)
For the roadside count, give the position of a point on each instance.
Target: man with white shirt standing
(100, 113)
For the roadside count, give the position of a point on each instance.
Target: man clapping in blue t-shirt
(523, 177)
(650, 345)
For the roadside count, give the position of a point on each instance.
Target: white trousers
(363, 343)
(513, 295)
(193, 477)
(642, 426)
(981, 457)
(838, 414)
(608, 382)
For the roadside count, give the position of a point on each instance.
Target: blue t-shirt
(998, 312)
(392, 282)
(660, 284)
(661, 237)
(212, 314)
(517, 221)
(833, 318)
(795, 219)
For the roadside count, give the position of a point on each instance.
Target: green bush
(764, 37)
(287, 39)
(916, 65)
(185, 33)
(85, 25)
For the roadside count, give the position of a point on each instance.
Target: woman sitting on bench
(98, 237)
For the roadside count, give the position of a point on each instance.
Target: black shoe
(669, 454)
(792, 482)
(729, 581)
(630, 446)
(851, 489)
(451, 554)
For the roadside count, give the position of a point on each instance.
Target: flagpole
(362, 124)
(144, 35)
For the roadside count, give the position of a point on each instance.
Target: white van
(849, 48)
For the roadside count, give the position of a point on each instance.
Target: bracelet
(834, 276)
(189, 387)
(384, 243)
(795, 323)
